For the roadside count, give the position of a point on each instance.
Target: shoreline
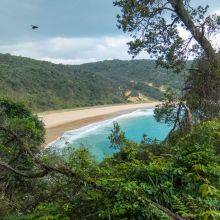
(58, 122)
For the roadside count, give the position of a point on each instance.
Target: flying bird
(34, 27)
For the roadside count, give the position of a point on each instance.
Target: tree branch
(185, 17)
(39, 174)
(167, 211)
(176, 120)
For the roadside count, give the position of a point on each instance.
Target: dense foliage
(20, 135)
(154, 26)
(43, 85)
(177, 179)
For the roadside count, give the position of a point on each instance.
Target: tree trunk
(183, 14)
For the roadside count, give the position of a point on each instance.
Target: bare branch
(177, 119)
(39, 174)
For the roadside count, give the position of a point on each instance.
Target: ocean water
(95, 136)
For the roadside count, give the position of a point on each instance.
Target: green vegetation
(177, 179)
(154, 26)
(44, 86)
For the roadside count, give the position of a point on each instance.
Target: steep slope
(137, 76)
(44, 85)
(137, 71)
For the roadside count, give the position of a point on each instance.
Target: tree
(202, 90)
(154, 25)
(21, 137)
(140, 181)
(18, 128)
(23, 165)
(117, 137)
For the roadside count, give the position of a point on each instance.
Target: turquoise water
(95, 136)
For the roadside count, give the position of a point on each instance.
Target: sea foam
(73, 135)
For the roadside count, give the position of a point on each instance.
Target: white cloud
(73, 50)
(76, 50)
(69, 61)
(183, 33)
(214, 38)
(217, 11)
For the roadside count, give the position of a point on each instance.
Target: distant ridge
(45, 86)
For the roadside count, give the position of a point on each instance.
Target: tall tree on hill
(156, 26)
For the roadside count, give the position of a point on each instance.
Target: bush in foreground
(150, 180)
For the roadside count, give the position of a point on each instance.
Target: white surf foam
(70, 136)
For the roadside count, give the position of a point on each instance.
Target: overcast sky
(71, 31)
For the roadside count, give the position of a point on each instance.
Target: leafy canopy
(176, 179)
(155, 26)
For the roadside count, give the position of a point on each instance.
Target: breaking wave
(103, 126)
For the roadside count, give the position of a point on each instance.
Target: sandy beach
(57, 122)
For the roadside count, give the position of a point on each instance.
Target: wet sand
(57, 122)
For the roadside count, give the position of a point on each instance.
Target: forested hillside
(43, 85)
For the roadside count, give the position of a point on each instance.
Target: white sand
(57, 122)
(57, 118)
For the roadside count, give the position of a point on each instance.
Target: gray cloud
(56, 18)
(73, 50)
(71, 31)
